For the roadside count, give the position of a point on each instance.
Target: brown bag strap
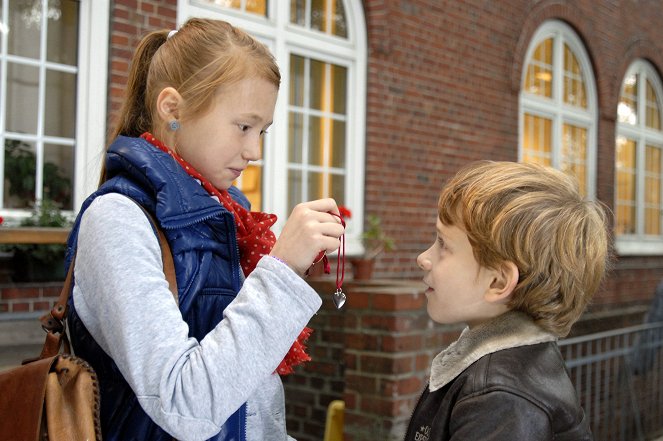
(53, 322)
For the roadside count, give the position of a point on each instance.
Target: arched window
(558, 106)
(639, 162)
(315, 148)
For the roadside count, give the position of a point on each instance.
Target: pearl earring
(174, 125)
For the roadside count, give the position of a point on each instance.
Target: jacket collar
(180, 200)
(509, 330)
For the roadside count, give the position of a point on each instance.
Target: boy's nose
(423, 262)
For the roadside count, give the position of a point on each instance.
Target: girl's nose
(253, 150)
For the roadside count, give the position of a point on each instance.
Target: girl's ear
(505, 279)
(169, 103)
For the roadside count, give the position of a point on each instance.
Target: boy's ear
(505, 279)
(169, 103)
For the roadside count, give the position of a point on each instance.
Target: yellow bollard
(334, 423)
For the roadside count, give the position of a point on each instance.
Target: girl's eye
(440, 242)
(263, 132)
(243, 127)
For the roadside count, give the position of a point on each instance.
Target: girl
(198, 103)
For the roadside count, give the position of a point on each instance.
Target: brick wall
(130, 21)
(443, 83)
(24, 297)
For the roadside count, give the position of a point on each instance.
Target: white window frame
(639, 243)
(555, 108)
(91, 90)
(284, 39)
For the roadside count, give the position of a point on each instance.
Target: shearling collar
(509, 330)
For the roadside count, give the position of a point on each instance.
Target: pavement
(20, 338)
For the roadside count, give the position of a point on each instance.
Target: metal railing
(618, 376)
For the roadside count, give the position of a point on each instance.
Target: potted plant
(375, 242)
(39, 262)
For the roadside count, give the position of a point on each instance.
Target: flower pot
(362, 269)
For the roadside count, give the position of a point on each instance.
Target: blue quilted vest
(201, 234)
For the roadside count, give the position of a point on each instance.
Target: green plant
(44, 214)
(374, 239)
(20, 173)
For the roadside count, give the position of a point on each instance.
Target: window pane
(295, 195)
(338, 144)
(653, 116)
(257, 7)
(339, 87)
(338, 188)
(627, 110)
(253, 6)
(652, 190)
(295, 137)
(59, 174)
(60, 104)
(298, 12)
(327, 16)
(25, 19)
(539, 71)
(19, 174)
(574, 85)
(63, 32)
(297, 80)
(318, 130)
(537, 139)
(574, 154)
(625, 185)
(22, 98)
(319, 78)
(316, 185)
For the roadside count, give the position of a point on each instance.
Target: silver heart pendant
(339, 299)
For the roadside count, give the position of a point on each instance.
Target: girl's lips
(236, 172)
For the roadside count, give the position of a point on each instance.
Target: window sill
(638, 246)
(36, 235)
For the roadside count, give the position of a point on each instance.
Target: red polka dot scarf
(255, 240)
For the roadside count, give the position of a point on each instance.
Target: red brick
(20, 307)
(20, 293)
(398, 302)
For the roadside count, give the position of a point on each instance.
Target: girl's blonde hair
(535, 217)
(201, 56)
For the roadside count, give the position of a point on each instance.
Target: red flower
(2, 219)
(344, 212)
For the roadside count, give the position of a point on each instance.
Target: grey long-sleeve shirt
(187, 387)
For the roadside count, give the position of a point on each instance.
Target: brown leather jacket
(518, 393)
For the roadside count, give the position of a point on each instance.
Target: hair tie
(171, 33)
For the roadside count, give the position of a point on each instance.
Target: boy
(518, 255)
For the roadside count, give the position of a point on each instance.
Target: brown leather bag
(55, 397)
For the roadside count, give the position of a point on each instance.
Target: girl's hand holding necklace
(310, 229)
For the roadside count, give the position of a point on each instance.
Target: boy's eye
(243, 127)
(440, 242)
(263, 132)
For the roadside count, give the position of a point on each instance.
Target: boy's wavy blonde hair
(535, 217)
